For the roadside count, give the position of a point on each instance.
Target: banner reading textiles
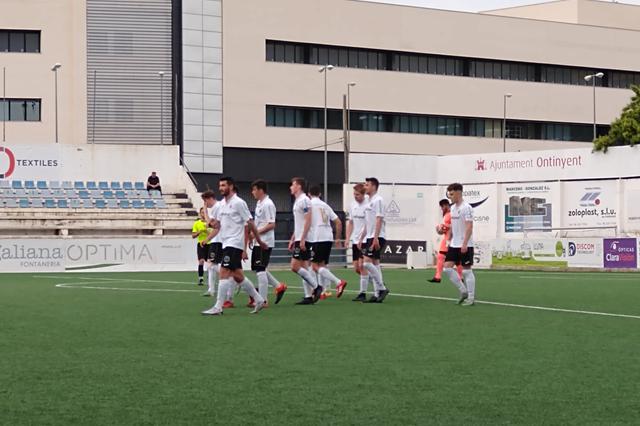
(30, 162)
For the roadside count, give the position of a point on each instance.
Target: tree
(624, 130)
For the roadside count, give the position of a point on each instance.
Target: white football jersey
(212, 212)
(321, 217)
(265, 214)
(460, 215)
(357, 217)
(301, 207)
(233, 215)
(374, 210)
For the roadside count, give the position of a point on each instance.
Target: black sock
(200, 271)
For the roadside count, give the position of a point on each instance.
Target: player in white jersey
(230, 222)
(375, 239)
(211, 206)
(301, 253)
(461, 246)
(321, 239)
(355, 234)
(265, 219)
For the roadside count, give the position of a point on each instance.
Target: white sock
(263, 284)
(222, 292)
(379, 268)
(364, 283)
(212, 276)
(308, 290)
(308, 277)
(328, 276)
(273, 281)
(230, 290)
(455, 279)
(378, 285)
(248, 287)
(470, 281)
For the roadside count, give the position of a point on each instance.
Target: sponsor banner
(396, 250)
(529, 252)
(558, 252)
(590, 204)
(579, 163)
(54, 255)
(482, 254)
(529, 206)
(620, 253)
(632, 205)
(19, 162)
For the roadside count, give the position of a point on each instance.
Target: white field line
(82, 284)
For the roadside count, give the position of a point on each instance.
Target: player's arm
(379, 218)
(305, 230)
(251, 227)
(271, 221)
(349, 230)
(215, 229)
(468, 230)
(338, 223)
(362, 236)
(194, 231)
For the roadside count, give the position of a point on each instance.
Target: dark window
(404, 62)
(334, 119)
(4, 41)
(289, 53)
(270, 55)
(413, 63)
(423, 64)
(16, 41)
(334, 56)
(373, 60)
(343, 58)
(20, 109)
(280, 117)
(271, 118)
(32, 42)
(279, 51)
(362, 59)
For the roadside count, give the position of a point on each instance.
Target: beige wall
(29, 75)
(250, 82)
(585, 12)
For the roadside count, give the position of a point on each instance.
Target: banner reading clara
(30, 162)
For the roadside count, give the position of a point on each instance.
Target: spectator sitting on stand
(153, 183)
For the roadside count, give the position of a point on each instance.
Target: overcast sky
(473, 5)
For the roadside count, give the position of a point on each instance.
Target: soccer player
(301, 253)
(215, 248)
(444, 229)
(265, 218)
(374, 226)
(461, 246)
(230, 222)
(199, 231)
(321, 239)
(355, 234)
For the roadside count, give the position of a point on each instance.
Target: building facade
(235, 83)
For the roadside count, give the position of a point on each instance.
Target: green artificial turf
(96, 356)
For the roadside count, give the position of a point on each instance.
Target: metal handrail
(193, 179)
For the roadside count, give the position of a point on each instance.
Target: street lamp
(347, 144)
(504, 122)
(161, 74)
(593, 78)
(324, 70)
(55, 69)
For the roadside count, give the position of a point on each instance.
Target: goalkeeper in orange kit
(444, 229)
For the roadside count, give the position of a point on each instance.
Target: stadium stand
(91, 208)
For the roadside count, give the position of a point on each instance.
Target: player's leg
(226, 281)
(439, 267)
(260, 268)
(469, 276)
(299, 265)
(247, 285)
(324, 272)
(201, 260)
(453, 258)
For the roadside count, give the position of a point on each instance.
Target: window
(270, 54)
(350, 57)
(271, 119)
(20, 41)
(20, 109)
